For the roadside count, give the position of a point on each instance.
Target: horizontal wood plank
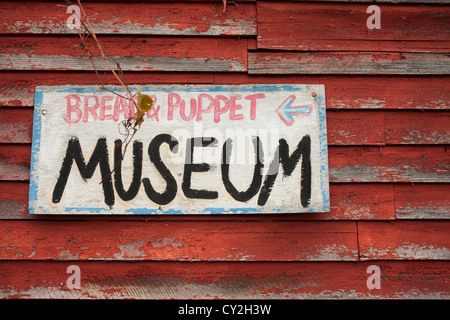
(183, 54)
(342, 92)
(343, 127)
(389, 164)
(347, 164)
(139, 18)
(364, 201)
(179, 240)
(17, 88)
(15, 162)
(414, 127)
(294, 26)
(347, 201)
(422, 201)
(221, 280)
(361, 91)
(16, 125)
(14, 200)
(355, 128)
(410, 240)
(404, 63)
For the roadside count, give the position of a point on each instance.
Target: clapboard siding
(388, 102)
(133, 54)
(389, 164)
(342, 92)
(344, 127)
(422, 201)
(138, 18)
(348, 202)
(401, 63)
(222, 280)
(293, 26)
(427, 240)
(180, 241)
(17, 87)
(180, 57)
(347, 163)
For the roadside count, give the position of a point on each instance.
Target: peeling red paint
(293, 26)
(146, 18)
(276, 280)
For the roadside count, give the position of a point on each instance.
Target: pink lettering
(120, 106)
(73, 107)
(234, 107)
(104, 107)
(218, 110)
(173, 105)
(192, 111)
(200, 109)
(252, 99)
(90, 109)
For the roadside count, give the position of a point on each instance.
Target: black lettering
(190, 167)
(137, 170)
(288, 164)
(99, 157)
(242, 196)
(171, 185)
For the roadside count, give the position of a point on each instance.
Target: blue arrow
(286, 110)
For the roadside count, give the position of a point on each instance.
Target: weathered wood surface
(362, 201)
(348, 202)
(343, 127)
(15, 162)
(139, 18)
(342, 92)
(179, 240)
(221, 280)
(293, 26)
(258, 62)
(415, 127)
(347, 164)
(409, 240)
(422, 201)
(17, 89)
(16, 125)
(389, 164)
(394, 63)
(209, 55)
(182, 54)
(388, 127)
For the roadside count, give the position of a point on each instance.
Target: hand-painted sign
(201, 149)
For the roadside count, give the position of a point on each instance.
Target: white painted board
(202, 149)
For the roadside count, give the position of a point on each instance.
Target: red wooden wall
(388, 100)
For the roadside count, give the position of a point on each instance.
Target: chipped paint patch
(335, 252)
(167, 241)
(419, 252)
(66, 255)
(407, 251)
(132, 250)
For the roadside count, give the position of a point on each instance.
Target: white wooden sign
(202, 149)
